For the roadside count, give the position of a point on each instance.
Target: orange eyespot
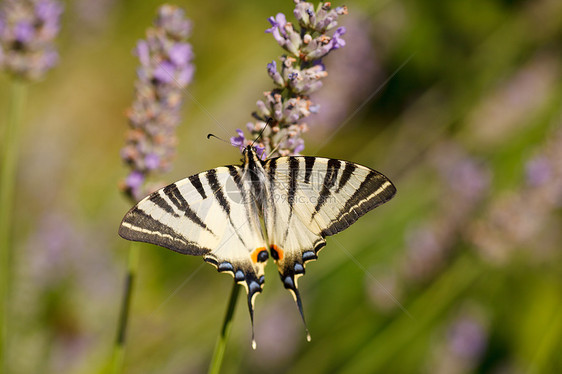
(255, 254)
(276, 253)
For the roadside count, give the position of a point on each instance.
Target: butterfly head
(254, 152)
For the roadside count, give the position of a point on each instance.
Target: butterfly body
(237, 217)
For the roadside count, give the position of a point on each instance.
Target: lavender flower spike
(27, 31)
(165, 70)
(299, 74)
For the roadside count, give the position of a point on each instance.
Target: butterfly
(236, 217)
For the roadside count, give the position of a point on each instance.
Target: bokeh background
(457, 102)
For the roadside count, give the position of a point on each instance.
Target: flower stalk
(119, 347)
(220, 347)
(7, 187)
(27, 32)
(165, 70)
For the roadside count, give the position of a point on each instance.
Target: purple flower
(165, 69)
(299, 146)
(50, 59)
(469, 178)
(181, 54)
(143, 53)
(337, 41)
(260, 151)
(239, 141)
(47, 10)
(301, 72)
(274, 74)
(277, 23)
(27, 34)
(277, 28)
(135, 180)
(185, 75)
(538, 171)
(272, 68)
(172, 21)
(467, 338)
(24, 32)
(164, 72)
(152, 161)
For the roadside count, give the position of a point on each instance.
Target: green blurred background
(457, 102)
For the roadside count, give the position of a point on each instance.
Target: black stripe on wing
(139, 226)
(244, 199)
(329, 181)
(271, 169)
(196, 182)
(217, 190)
(309, 166)
(375, 190)
(293, 175)
(159, 201)
(346, 175)
(175, 196)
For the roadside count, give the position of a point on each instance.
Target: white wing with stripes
(216, 214)
(309, 198)
(208, 214)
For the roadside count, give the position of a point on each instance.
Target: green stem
(119, 346)
(548, 346)
(7, 185)
(220, 347)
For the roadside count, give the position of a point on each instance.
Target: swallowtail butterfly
(236, 217)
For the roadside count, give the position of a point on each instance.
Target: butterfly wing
(310, 198)
(208, 214)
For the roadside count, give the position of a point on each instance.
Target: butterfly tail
(253, 290)
(290, 283)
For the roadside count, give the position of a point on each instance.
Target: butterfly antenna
(262, 130)
(209, 136)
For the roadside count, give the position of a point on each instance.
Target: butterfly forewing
(204, 214)
(315, 197)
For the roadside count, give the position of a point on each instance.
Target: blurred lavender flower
(463, 344)
(510, 107)
(353, 76)
(298, 75)
(63, 262)
(166, 69)
(466, 182)
(538, 171)
(27, 31)
(526, 218)
(384, 286)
